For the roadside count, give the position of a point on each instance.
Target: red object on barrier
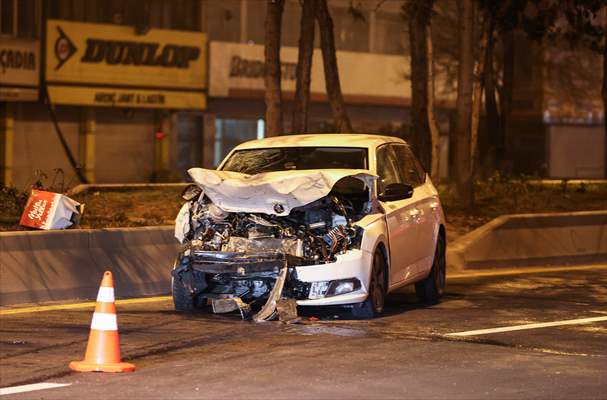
(47, 210)
(38, 209)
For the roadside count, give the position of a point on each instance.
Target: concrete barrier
(38, 266)
(533, 240)
(123, 187)
(60, 265)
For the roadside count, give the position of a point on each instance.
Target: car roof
(321, 140)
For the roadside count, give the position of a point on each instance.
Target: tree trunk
(327, 45)
(501, 147)
(304, 67)
(487, 142)
(434, 132)
(273, 94)
(605, 90)
(422, 99)
(465, 78)
(477, 92)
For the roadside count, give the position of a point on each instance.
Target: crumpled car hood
(274, 193)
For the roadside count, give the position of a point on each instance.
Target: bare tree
(463, 170)
(487, 141)
(273, 94)
(434, 132)
(425, 130)
(478, 86)
(604, 91)
(304, 67)
(333, 86)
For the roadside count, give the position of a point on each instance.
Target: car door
(400, 218)
(426, 204)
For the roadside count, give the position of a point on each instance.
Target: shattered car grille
(241, 263)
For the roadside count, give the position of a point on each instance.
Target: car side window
(387, 168)
(408, 166)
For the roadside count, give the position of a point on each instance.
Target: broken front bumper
(352, 265)
(342, 282)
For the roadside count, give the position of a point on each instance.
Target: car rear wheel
(374, 305)
(431, 289)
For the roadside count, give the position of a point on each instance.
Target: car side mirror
(396, 191)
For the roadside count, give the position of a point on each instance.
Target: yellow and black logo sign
(123, 68)
(113, 54)
(64, 48)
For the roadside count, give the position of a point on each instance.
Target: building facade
(142, 90)
(123, 84)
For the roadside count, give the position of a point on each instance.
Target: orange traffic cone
(103, 349)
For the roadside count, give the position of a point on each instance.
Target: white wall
(386, 84)
(36, 145)
(124, 146)
(576, 151)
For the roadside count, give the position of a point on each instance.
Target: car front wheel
(181, 298)
(374, 305)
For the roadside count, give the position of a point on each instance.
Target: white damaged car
(309, 220)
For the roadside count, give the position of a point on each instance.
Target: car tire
(374, 305)
(431, 289)
(181, 298)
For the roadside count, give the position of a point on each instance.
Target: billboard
(19, 70)
(110, 65)
(237, 70)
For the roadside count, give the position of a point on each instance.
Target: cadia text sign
(19, 70)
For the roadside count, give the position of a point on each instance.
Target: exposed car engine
(240, 254)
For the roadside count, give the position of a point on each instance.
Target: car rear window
(256, 161)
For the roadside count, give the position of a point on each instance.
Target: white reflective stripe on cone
(106, 294)
(104, 322)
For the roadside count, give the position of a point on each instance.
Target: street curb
(524, 240)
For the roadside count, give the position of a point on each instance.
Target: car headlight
(322, 289)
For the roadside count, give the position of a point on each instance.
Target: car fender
(375, 233)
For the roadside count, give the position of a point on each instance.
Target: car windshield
(256, 161)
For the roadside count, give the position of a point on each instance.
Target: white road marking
(528, 326)
(31, 388)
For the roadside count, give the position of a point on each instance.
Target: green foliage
(12, 202)
(575, 21)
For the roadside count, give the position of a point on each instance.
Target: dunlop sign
(108, 65)
(19, 70)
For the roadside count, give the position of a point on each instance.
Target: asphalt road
(408, 353)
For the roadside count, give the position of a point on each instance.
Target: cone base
(84, 366)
